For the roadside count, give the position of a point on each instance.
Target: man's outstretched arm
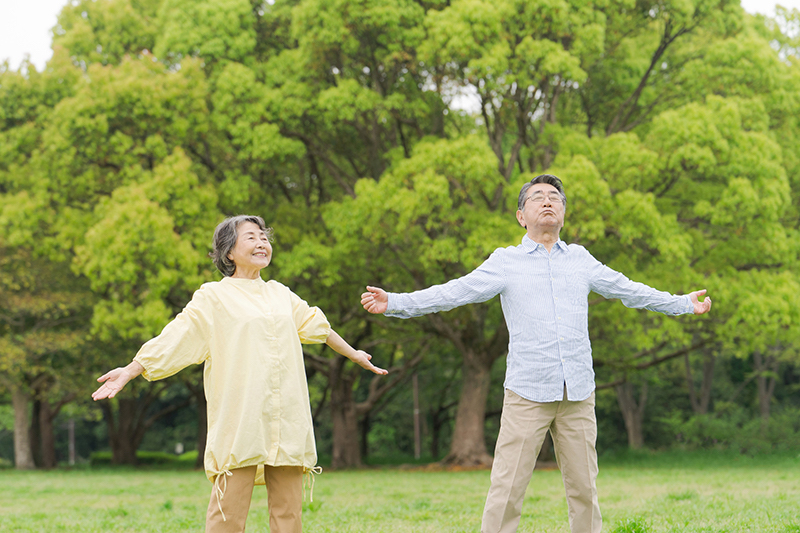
(483, 283)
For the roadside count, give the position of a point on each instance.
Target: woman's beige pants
(284, 499)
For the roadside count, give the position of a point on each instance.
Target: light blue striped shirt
(545, 302)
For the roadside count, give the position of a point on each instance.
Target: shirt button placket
(555, 309)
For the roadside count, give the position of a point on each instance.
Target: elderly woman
(248, 333)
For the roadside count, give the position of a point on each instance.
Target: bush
(149, 459)
(733, 429)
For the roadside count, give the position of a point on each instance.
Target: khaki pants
(284, 499)
(523, 427)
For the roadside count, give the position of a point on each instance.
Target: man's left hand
(700, 307)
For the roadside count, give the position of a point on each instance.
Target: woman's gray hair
(541, 178)
(225, 239)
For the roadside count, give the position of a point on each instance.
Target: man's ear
(520, 219)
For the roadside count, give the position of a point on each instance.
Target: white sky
(25, 26)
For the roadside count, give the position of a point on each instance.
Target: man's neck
(545, 238)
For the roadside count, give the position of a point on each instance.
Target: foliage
(673, 124)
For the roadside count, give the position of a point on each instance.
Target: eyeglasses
(538, 198)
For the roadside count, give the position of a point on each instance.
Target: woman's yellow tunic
(248, 334)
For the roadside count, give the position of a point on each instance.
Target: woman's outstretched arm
(359, 357)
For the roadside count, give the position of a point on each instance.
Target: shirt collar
(529, 245)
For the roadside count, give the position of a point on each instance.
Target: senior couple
(248, 333)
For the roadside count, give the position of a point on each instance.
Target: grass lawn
(638, 494)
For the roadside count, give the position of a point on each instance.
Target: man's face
(543, 208)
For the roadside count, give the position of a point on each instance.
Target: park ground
(670, 492)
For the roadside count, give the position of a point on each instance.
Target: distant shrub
(148, 459)
(733, 429)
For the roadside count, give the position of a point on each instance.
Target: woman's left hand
(362, 359)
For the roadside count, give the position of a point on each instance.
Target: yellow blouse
(248, 334)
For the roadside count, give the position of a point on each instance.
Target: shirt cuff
(392, 301)
(146, 374)
(394, 307)
(689, 305)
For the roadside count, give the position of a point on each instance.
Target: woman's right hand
(375, 300)
(115, 380)
(364, 360)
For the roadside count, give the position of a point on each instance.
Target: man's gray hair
(541, 178)
(225, 239)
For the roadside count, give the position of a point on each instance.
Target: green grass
(638, 494)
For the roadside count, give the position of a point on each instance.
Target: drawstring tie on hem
(308, 481)
(220, 491)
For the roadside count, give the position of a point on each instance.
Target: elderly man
(543, 285)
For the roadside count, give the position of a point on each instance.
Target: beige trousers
(523, 427)
(284, 499)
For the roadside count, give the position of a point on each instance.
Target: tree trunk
(34, 431)
(709, 362)
(632, 413)
(23, 458)
(767, 369)
(468, 446)
(121, 435)
(346, 449)
(346, 446)
(437, 421)
(47, 438)
(700, 405)
(363, 432)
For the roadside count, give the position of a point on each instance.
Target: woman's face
(252, 251)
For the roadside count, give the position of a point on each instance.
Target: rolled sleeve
(312, 324)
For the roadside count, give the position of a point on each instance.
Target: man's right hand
(375, 300)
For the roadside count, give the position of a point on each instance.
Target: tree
(133, 217)
(349, 415)
(43, 323)
(436, 220)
